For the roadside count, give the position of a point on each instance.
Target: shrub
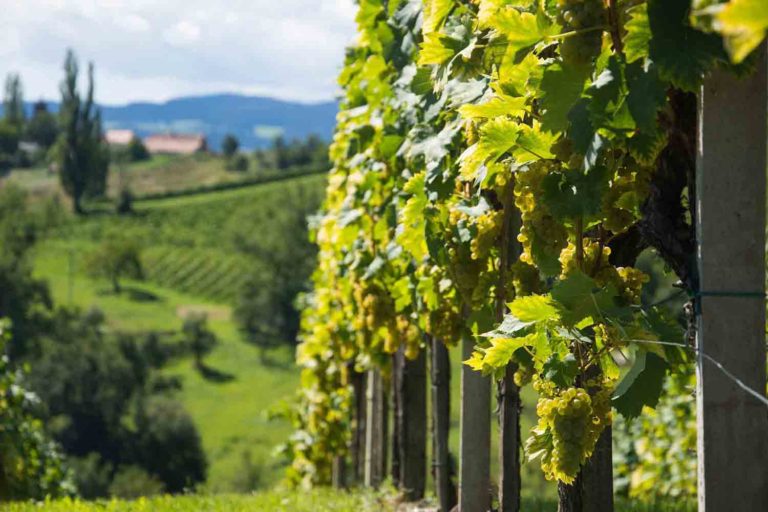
(92, 475)
(132, 482)
(114, 259)
(168, 445)
(238, 163)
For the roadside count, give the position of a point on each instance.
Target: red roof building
(176, 144)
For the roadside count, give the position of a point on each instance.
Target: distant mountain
(254, 120)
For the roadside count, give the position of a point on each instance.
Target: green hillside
(195, 253)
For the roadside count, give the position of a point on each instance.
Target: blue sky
(159, 49)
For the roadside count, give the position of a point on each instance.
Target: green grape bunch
(569, 425)
(583, 19)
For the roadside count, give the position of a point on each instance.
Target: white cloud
(184, 33)
(149, 50)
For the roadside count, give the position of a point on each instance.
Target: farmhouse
(119, 137)
(176, 144)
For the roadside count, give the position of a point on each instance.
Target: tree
(282, 153)
(81, 153)
(41, 128)
(137, 151)
(230, 145)
(114, 259)
(9, 145)
(168, 445)
(198, 337)
(13, 102)
(24, 299)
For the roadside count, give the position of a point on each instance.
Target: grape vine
(458, 117)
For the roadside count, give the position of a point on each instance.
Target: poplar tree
(13, 102)
(81, 153)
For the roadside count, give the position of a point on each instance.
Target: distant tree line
(281, 155)
(71, 141)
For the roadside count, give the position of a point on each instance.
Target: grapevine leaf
(497, 137)
(561, 87)
(608, 107)
(579, 297)
(515, 77)
(438, 49)
(647, 95)
(638, 37)
(422, 82)
(500, 353)
(435, 11)
(521, 29)
(744, 23)
(573, 194)
(497, 106)
(682, 53)
(510, 326)
(411, 230)
(580, 129)
(534, 308)
(641, 386)
(561, 370)
(533, 144)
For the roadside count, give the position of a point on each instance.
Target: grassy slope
(230, 415)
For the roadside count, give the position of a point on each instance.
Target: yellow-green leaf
(638, 37)
(498, 106)
(521, 29)
(534, 308)
(434, 50)
(435, 12)
(744, 24)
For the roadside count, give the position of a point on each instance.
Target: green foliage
(168, 445)
(41, 127)
(91, 383)
(230, 145)
(198, 248)
(137, 151)
(319, 500)
(450, 130)
(9, 144)
(31, 464)
(24, 299)
(132, 482)
(744, 24)
(655, 454)
(197, 336)
(312, 152)
(81, 154)
(238, 163)
(13, 102)
(116, 258)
